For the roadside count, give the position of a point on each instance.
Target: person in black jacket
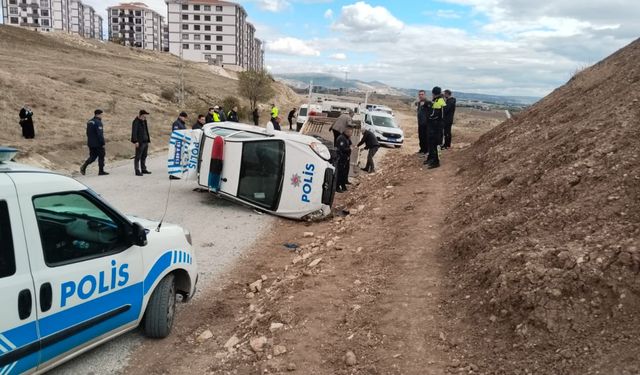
(424, 109)
(26, 122)
(434, 128)
(449, 112)
(199, 124)
(95, 141)
(371, 143)
(181, 122)
(290, 117)
(256, 117)
(209, 118)
(343, 148)
(233, 115)
(141, 139)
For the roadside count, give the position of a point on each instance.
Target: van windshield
(261, 173)
(303, 112)
(384, 122)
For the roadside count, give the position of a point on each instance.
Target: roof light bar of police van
(7, 154)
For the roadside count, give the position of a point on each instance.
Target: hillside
(64, 78)
(545, 241)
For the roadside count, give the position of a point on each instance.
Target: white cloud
(273, 5)
(328, 14)
(339, 56)
(447, 13)
(292, 46)
(365, 22)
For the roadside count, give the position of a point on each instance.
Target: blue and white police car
(281, 173)
(74, 272)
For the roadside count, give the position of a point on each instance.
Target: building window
(207, 47)
(45, 23)
(196, 46)
(218, 38)
(138, 21)
(44, 3)
(14, 20)
(207, 8)
(196, 37)
(138, 13)
(218, 48)
(13, 10)
(44, 13)
(207, 57)
(114, 12)
(13, 2)
(196, 17)
(218, 28)
(219, 58)
(185, 7)
(185, 27)
(207, 18)
(196, 7)
(185, 36)
(185, 46)
(138, 29)
(115, 28)
(218, 8)
(196, 27)
(185, 17)
(207, 28)
(218, 18)
(114, 20)
(207, 37)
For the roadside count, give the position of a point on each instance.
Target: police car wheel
(161, 309)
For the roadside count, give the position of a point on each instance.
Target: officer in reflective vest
(274, 111)
(435, 124)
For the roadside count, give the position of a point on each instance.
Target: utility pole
(180, 2)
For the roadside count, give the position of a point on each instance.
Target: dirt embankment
(545, 239)
(64, 78)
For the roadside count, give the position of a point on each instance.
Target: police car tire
(160, 312)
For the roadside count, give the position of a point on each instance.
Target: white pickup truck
(74, 272)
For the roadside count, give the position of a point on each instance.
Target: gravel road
(221, 232)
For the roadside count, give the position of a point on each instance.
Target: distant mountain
(301, 81)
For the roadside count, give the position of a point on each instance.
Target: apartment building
(165, 35)
(49, 15)
(213, 30)
(136, 25)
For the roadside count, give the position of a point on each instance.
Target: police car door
(86, 273)
(19, 344)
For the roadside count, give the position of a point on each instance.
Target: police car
(285, 174)
(74, 272)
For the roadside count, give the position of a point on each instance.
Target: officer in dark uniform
(233, 115)
(449, 113)
(26, 122)
(434, 128)
(371, 143)
(343, 149)
(181, 122)
(141, 139)
(424, 109)
(95, 141)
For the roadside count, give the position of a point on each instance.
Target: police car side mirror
(138, 235)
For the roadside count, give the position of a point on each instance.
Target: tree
(256, 87)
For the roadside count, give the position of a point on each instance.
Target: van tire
(161, 310)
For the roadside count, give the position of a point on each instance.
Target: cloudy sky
(514, 47)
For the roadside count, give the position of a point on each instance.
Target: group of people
(435, 120)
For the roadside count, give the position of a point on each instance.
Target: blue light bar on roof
(7, 153)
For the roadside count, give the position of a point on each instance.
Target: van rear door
(19, 341)
(230, 164)
(183, 154)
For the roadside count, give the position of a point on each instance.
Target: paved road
(221, 232)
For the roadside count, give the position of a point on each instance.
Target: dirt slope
(64, 78)
(546, 238)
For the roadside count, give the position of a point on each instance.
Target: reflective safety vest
(439, 103)
(216, 117)
(274, 112)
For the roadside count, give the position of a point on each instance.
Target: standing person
(199, 123)
(340, 125)
(233, 114)
(221, 114)
(141, 139)
(424, 110)
(371, 143)
(343, 149)
(274, 111)
(434, 128)
(256, 116)
(210, 115)
(181, 122)
(276, 123)
(292, 114)
(26, 122)
(449, 112)
(95, 141)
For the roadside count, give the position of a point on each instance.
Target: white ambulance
(285, 174)
(74, 272)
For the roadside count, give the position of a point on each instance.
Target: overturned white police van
(74, 272)
(285, 174)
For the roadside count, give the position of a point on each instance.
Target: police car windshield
(303, 112)
(385, 122)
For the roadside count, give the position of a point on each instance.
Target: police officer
(95, 141)
(181, 122)
(290, 117)
(434, 128)
(141, 139)
(449, 112)
(371, 143)
(424, 109)
(233, 114)
(343, 149)
(274, 111)
(210, 115)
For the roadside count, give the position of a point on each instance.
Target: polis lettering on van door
(193, 156)
(307, 182)
(105, 281)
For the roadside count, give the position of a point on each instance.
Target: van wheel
(161, 309)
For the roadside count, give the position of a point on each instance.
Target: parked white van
(74, 272)
(384, 126)
(304, 112)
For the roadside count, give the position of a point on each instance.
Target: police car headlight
(321, 150)
(187, 235)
